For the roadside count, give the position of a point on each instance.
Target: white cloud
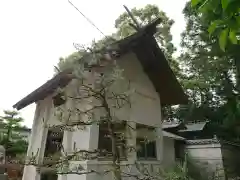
(34, 34)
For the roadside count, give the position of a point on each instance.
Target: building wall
(145, 101)
(231, 159)
(145, 109)
(206, 157)
(25, 135)
(148, 167)
(168, 151)
(37, 141)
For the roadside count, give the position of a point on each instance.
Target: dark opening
(105, 142)
(58, 99)
(179, 150)
(146, 150)
(53, 143)
(49, 176)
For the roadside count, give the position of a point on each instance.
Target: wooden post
(137, 27)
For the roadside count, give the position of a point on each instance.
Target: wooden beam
(138, 27)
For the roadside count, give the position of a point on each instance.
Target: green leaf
(204, 7)
(233, 37)
(238, 20)
(224, 3)
(195, 2)
(213, 26)
(223, 39)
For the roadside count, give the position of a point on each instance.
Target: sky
(34, 34)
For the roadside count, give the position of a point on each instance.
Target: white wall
(36, 139)
(168, 151)
(150, 167)
(145, 101)
(25, 135)
(207, 156)
(145, 109)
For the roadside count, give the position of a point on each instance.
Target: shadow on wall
(231, 159)
(199, 170)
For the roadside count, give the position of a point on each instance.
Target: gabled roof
(198, 126)
(23, 129)
(172, 136)
(58, 81)
(153, 61)
(170, 125)
(214, 140)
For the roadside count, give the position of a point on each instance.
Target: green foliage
(10, 121)
(233, 36)
(225, 15)
(145, 16)
(212, 76)
(190, 169)
(213, 26)
(178, 172)
(70, 61)
(13, 143)
(17, 147)
(223, 38)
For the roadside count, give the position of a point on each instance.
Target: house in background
(146, 67)
(21, 132)
(173, 143)
(215, 156)
(203, 147)
(208, 154)
(24, 133)
(173, 148)
(173, 127)
(196, 130)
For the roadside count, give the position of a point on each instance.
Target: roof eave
(60, 80)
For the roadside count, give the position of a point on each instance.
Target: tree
(12, 142)
(225, 18)
(69, 62)
(145, 16)
(212, 77)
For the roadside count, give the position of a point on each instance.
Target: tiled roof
(170, 125)
(194, 126)
(172, 136)
(202, 141)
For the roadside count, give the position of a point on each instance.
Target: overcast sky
(35, 33)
